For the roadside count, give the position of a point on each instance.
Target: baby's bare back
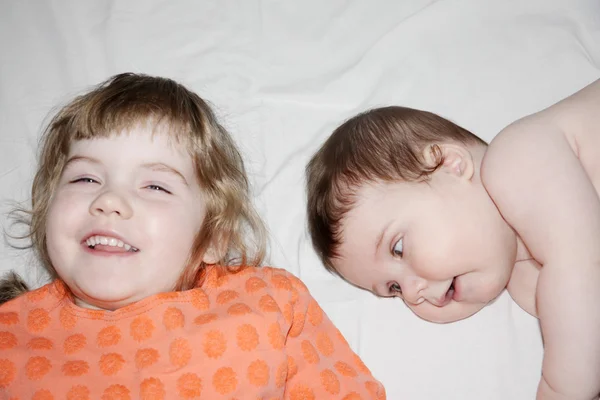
(543, 173)
(578, 118)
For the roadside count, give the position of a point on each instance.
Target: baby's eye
(158, 188)
(398, 249)
(395, 288)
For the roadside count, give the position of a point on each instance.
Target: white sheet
(282, 75)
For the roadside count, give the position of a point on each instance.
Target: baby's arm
(321, 364)
(543, 191)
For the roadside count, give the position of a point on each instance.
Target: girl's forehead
(134, 146)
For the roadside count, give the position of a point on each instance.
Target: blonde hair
(126, 100)
(380, 145)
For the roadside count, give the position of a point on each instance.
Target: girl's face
(124, 218)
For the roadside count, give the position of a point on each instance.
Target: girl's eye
(84, 180)
(395, 288)
(158, 188)
(398, 249)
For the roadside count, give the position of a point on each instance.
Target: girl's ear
(457, 159)
(216, 251)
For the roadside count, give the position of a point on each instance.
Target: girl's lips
(111, 238)
(105, 251)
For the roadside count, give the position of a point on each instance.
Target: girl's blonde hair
(126, 100)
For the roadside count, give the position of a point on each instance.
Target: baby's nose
(437, 293)
(413, 288)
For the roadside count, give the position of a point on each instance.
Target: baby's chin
(452, 312)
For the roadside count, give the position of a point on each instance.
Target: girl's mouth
(109, 244)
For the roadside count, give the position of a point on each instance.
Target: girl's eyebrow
(162, 167)
(75, 159)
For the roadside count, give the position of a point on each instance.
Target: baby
(141, 214)
(404, 203)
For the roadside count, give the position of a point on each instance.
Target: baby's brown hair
(380, 145)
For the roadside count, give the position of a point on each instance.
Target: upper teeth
(108, 241)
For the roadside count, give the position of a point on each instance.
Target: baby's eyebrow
(162, 167)
(381, 236)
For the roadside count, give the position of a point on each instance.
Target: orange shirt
(257, 334)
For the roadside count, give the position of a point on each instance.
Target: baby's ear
(456, 159)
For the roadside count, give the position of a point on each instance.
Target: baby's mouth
(451, 293)
(109, 244)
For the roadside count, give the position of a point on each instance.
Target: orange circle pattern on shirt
(146, 357)
(345, 369)
(330, 381)
(67, 320)
(189, 386)
(281, 282)
(37, 367)
(225, 380)
(7, 340)
(214, 344)
(302, 392)
(205, 318)
(38, 320)
(142, 328)
(324, 344)
(152, 389)
(315, 313)
(268, 304)
(247, 337)
(108, 336)
(200, 299)
(116, 392)
(8, 371)
(9, 318)
(78, 392)
(40, 343)
(258, 373)
(111, 363)
(75, 368)
(173, 318)
(310, 354)
(74, 343)
(227, 296)
(239, 309)
(254, 284)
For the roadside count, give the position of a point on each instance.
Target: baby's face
(441, 246)
(124, 217)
